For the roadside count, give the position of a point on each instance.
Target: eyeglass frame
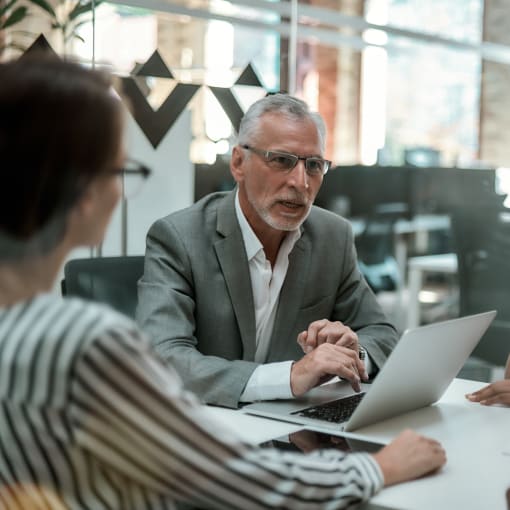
(267, 154)
(140, 169)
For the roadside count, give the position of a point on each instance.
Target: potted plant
(66, 16)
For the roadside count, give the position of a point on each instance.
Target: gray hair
(289, 106)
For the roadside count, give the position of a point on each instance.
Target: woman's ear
(237, 163)
(86, 203)
(80, 217)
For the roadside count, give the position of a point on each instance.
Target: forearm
(130, 412)
(213, 379)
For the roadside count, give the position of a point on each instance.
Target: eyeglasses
(133, 174)
(285, 162)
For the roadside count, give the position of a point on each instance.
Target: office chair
(375, 247)
(110, 280)
(481, 237)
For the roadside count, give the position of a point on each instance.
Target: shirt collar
(252, 244)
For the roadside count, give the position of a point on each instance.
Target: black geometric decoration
(229, 104)
(40, 45)
(155, 67)
(227, 99)
(155, 124)
(249, 77)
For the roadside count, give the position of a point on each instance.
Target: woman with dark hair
(89, 416)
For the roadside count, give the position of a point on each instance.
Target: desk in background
(419, 226)
(476, 439)
(444, 263)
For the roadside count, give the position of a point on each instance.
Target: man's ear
(236, 164)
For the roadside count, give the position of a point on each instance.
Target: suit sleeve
(166, 308)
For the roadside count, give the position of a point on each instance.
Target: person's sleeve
(270, 381)
(357, 306)
(129, 412)
(166, 305)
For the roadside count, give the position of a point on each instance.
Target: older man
(256, 294)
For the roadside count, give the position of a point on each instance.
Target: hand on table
(495, 393)
(409, 456)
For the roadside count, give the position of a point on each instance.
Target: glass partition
(397, 81)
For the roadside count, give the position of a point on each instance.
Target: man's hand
(495, 393)
(326, 361)
(409, 456)
(324, 331)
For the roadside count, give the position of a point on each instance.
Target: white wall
(171, 186)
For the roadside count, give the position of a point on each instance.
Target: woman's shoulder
(79, 320)
(47, 336)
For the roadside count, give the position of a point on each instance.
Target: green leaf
(80, 24)
(24, 33)
(43, 4)
(16, 16)
(80, 8)
(5, 8)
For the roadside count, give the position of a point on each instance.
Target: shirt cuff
(269, 381)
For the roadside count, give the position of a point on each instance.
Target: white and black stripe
(91, 418)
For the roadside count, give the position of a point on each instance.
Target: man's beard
(282, 223)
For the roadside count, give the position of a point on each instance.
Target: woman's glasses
(134, 174)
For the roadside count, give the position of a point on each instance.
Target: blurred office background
(415, 96)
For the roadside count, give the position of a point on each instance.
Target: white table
(417, 266)
(476, 439)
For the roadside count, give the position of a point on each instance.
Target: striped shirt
(92, 419)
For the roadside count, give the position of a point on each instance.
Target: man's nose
(298, 175)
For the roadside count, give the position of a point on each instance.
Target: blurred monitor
(211, 178)
(439, 190)
(357, 190)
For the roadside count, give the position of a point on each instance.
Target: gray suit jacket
(196, 302)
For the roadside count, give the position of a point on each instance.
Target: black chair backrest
(375, 247)
(111, 280)
(481, 237)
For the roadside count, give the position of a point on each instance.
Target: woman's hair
(290, 106)
(60, 127)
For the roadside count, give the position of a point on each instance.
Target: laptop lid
(416, 374)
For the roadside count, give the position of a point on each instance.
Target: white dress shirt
(269, 380)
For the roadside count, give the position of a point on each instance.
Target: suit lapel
(291, 299)
(236, 273)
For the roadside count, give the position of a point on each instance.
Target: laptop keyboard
(336, 411)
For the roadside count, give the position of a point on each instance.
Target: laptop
(422, 365)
